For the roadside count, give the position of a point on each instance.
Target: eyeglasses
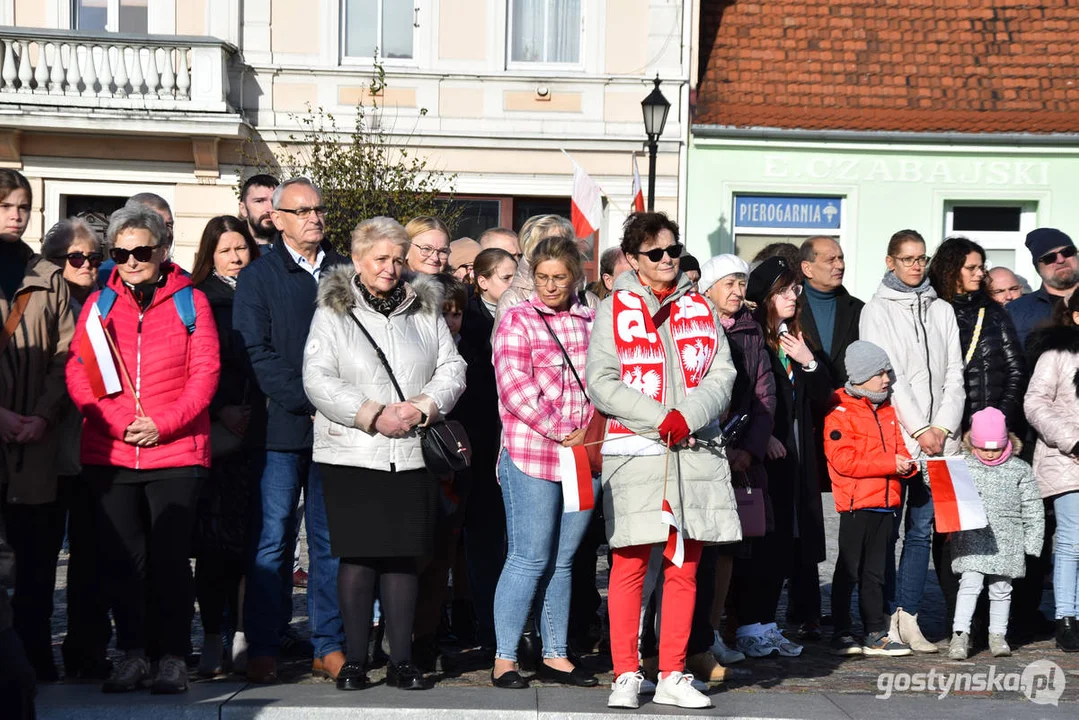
(793, 291)
(77, 259)
(426, 250)
(142, 253)
(974, 268)
(305, 212)
(656, 254)
(560, 281)
(909, 261)
(1057, 255)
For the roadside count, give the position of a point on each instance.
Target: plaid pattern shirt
(539, 400)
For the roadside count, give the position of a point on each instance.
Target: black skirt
(373, 513)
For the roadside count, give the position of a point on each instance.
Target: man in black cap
(1054, 256)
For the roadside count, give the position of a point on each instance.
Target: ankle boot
(912, 634)
(1068, 634)
(529, 649)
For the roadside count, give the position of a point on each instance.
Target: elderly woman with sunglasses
(144, 387)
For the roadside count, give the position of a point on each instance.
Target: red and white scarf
(643, 357)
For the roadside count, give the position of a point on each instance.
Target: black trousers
(757, 580)
(17, 687)
(864, 537)
(88, 625)
(803, 589)
(36, 533)
(144, 543)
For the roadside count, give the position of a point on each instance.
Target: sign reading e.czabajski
(795, 212)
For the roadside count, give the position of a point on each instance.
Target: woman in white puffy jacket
(381, 502)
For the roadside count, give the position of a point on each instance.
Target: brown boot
(329, 665)
(704, 667)
(262, 670)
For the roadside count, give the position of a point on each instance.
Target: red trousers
(624, 606)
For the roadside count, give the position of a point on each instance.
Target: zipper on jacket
(138, 380)
(928, 363)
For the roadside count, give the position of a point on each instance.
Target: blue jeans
(542, 542)
(269, 577)
(1066, 555)
(917, 546)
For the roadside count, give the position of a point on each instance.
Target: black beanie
(764, 277)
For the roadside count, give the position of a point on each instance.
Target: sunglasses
(1057, 255)
(656, 254)
(142, 253)
(77, 259)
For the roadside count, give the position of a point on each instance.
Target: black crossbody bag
(444, 443)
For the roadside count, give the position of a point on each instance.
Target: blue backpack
(183, 299)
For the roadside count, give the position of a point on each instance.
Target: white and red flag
(586, 204)
(637, 192)
(675, 549)
(576, 476)
(97, 357)
(956, 503)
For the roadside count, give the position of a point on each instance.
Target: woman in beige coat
(1052, 408)
(660, 367)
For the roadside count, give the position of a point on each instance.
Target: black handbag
(444, 443)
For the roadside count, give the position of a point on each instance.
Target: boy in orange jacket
(866, 459)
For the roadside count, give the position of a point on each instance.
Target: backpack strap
(105, 301)
(184, 299)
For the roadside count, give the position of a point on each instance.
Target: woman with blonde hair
(429, 245)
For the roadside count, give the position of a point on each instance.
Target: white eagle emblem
(694, 358)
(645, 382)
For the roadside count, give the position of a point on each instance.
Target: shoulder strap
(975, 337)
(184, 300)
(13, 319)
(564, 353)
(381, 355)
(105, 301)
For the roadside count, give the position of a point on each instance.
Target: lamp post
(655, 108)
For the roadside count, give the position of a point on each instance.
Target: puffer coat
(996, 374)
(347, 383)
(1052, 407)
(1016, 519)
(921, 337)
(699, 482)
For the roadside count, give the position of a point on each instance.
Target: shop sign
(797, 212)
(941, 171)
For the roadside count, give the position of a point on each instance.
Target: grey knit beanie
(864, 360)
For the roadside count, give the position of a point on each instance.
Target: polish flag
(637, 192)
(675, 549)
(956, 503)
(576, 476)
(586, 209)
(97, 358)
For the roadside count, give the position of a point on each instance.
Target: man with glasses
(1054, 256)
(272, 311)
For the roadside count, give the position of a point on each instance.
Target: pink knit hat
(988, 431)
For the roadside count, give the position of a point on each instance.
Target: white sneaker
(625, 691)
(756, 646)
(723, 654)
(677, 689)
(239, 653)
(787, 648)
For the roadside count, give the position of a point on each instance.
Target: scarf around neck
(230, 281)
(877, 398)
(891, 282)
(385, 305)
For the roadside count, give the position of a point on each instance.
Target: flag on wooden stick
(97, 357)
(637, 191)
(675, 549)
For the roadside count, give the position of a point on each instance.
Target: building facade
(855, 120)
(103, 98)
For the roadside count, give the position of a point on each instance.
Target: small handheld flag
(576, 476)
(956, 503)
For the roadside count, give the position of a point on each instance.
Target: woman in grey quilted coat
(996, 554)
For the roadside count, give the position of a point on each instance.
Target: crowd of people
(687, 415)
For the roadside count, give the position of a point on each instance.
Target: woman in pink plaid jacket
(539, 355)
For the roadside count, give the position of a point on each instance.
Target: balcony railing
(76, 69)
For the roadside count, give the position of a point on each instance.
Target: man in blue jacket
(275, 301)
(1054, 256)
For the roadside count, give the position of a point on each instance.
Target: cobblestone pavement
(815, 671)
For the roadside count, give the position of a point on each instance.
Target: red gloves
(673, 429)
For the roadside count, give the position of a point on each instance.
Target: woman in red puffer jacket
(147, 457)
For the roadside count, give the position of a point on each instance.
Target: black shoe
(463, 623)
(1068, 634)
(530, 650)
(509, 680)
(294, 646)
(352, 677)
(405, 676)
(575, 677)
(425, 652)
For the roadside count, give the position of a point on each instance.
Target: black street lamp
(655, 108)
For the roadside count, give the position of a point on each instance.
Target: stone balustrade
(114, 70)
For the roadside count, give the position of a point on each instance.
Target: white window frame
(160, 16)
(582, 46)
(419, 15)
(1013, 240)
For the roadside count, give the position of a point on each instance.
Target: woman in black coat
(995, 373)
(222, 514)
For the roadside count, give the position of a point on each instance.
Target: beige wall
(462, 29)
(294, 97)
(31, 13)
(295, 26)
(627, 36)
(191, 17)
